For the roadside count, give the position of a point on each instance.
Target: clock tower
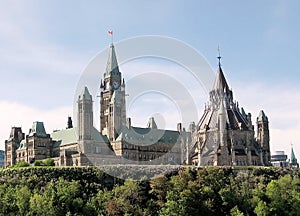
(112, 98)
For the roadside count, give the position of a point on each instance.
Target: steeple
(293, 158)
(220, 81)
(221, 89)
(112, 67)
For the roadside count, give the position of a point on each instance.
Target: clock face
(115, 84)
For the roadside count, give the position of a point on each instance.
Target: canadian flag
(110, 32)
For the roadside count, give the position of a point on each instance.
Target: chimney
(179, 127)
(192, 127)
(128, 123)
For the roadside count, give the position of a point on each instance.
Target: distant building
(2, 158)
(293, 160)
(279, 159)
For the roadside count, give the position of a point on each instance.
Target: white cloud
(281, 104)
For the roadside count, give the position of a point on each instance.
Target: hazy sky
(45, 46)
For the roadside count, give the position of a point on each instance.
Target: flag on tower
(110, 32)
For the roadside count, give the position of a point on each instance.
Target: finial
(219, 57)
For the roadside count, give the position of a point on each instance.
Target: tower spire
(220, 81)
(112, 63)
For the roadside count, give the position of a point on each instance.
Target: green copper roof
(38, 129)
(112, 68)
(96, 135)
(85, 94)
(65, 137)
(262, 116)
(23, 145)
(69, 136)
(148, 135)
(120, 137)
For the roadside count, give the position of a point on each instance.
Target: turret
(85, 115)
(263, 137)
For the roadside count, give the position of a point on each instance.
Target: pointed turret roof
(262, 116)
(151, 123)
(293, 157)
(85, 94)
(112, 63)
(220, 81)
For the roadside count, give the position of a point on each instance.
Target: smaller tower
(263, 137)
(85, 115)
(39, 142)
(15, 137)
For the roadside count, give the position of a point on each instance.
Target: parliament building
(224, 136)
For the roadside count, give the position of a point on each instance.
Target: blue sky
(45, 45)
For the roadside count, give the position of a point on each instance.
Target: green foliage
(46, 162)
(59, 191)
(282, 197)
(21, 164)
(236, 212)
(38, 163)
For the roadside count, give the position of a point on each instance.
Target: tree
(42, 205)
(159, 187)
(129, 198)
(23, 195)
(282, 197)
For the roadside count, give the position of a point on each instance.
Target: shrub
(21, 164)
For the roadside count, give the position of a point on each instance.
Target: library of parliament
(224, 135)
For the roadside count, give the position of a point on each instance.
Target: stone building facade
(117, 142)
(224, 136)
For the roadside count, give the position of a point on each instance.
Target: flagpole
(112, 37)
